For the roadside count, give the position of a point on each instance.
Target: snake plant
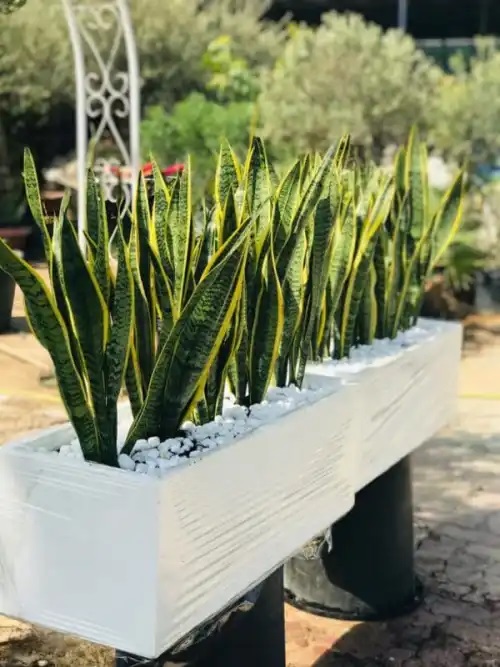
(83, 317)
(240, 290)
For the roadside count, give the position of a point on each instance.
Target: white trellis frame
(107, 95)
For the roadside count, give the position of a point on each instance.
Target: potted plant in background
(233, 449)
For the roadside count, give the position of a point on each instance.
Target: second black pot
(366, 571)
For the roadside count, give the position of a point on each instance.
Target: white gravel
(153, 457)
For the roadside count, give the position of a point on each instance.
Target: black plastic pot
(7, 289)
(368, 573)
(249, 634)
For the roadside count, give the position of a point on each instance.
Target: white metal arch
(107, 96)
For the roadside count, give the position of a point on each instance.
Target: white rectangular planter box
(408, 400)
(403, 399)
(135, 562)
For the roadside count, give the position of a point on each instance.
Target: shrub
(467, 118)
(196, 126)
(347, 76)
(36, 64)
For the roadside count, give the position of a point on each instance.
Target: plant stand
(369, 572)
(246, 639)
(7, 290)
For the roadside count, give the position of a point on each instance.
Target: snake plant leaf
(229, 218)
(293, 287)
(141, 266)
(32, 189)
(98, 232)
(163, 295)
(321, 255)
(90, 320)
(400, 215)
(93, 220)
(158, 239)
(122, 310)
(227, 175)
(378, 284)
(400, 180)
(448, 219)
(50, 329)
(306, 207)
(39, 215)
(416, 183)
(133, 379)
(180, 236)
(238, 366)
(375, 218)
(216, 378)
(267, 330)
(367, 317)
(258, 190)
(342, 152)
(182, 365)
(343, 252)
(205, 250)
(286, 203)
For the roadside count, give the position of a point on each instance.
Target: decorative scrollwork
(108, 89)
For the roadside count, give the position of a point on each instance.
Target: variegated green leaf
(267, 330)
(51, 331)
(179, 375)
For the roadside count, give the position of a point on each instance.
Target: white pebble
(188, 426)
(209, 443)
(66, 450)
(152, 455)
(125, 462)
(151, 465)
(142, 468)
(154, 441)
(176, 447)
(235, 412)
(165, 447)
(141, 445)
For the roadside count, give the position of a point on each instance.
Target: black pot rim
(325, 612)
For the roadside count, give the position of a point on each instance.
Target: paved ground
(457, 489)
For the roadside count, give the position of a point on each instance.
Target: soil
(27, 402)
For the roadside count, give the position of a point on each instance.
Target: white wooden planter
(135, 562)
(404, 399)
(410, 399)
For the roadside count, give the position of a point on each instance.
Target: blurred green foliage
(347, 75)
